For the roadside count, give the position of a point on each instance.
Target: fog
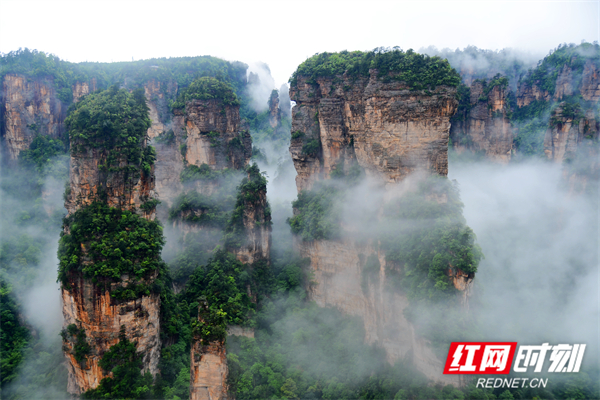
(539, 279)
(31, 229)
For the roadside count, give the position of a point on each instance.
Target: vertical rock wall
(391, 132)
(90, 306)
(29, 107)
(485, 126)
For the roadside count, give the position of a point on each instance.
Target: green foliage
(297, 135)
(202, 209)
(150, 205)
(43, 155)
(81, 348)
(14, 336)
(351, 175)
(569, 110)
(202, 173)
(432, 238)
(116, 121)
(574, 56)
(252, 191)
(207, 88)
(497, 80)
(311, 148)
(106, 243)
(316, 216)
(222, 285)
(416, 70)
(167, 137)
(127, 382)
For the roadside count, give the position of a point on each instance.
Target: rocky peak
(109, 176)
(274, 112)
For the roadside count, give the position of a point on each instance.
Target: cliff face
(213, 135)
(124, 189)
(256, 220)
(208, 366)
(80, 89)
(157, 104)
(338, 272)
(390, 130)
(484, 126)
(590, 83)
(29, 107)
(94, 311)
(100, 171)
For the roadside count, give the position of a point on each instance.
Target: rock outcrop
(123, 189)
(390, 130)
(100, 316)
(274, 112)
(255, 220)
(208, 368)
(29, 107)
(338, 272)
(156, 96)
(214, 136)
(590, 82)
(101, 172)
(80, 89)
(483, 124)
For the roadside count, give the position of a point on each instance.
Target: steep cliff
(274, 111)
(248, 232)
(29, 107)
(392, 129)
(208, 363)
(110, 249)
(482, 123)
(557, 114)
(157, 93)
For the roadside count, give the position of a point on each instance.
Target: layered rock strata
(391, 132)
(484, 126)
(89, 305)
(29, 107)
(208, 368)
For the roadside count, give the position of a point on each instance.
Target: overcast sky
(284, 33)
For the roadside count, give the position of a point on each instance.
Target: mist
(539, 279)
(260, 85)
(30, 266)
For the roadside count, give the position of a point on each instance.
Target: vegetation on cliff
(318, 215)
(104, 244)
(117, 122)
(252, 195)
(14, 336)
(207, 88)
(167, 72)
(127, 382)
(571, 56)
(427, 235)
(415, 70)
